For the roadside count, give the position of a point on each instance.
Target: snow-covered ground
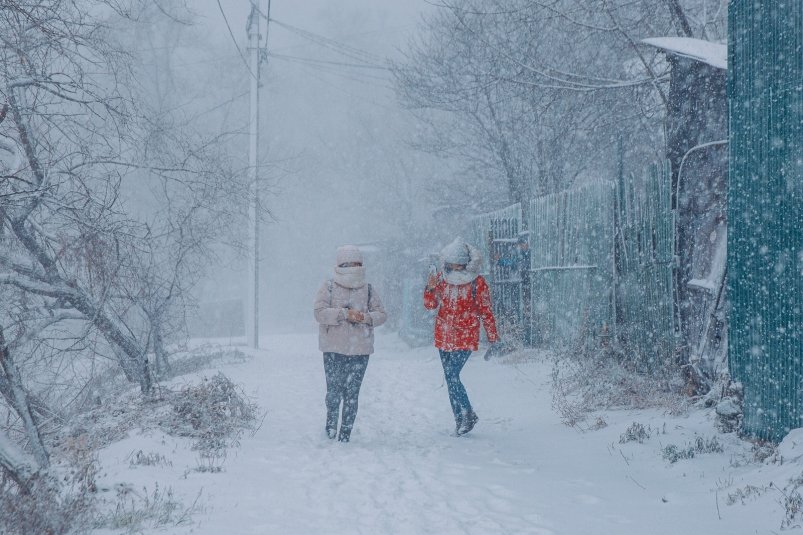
(520, 471)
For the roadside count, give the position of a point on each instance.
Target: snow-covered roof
(714, 54)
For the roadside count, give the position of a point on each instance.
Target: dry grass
(586, 380)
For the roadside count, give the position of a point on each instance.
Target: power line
(349, 35)
(176, 64)
(322, 61)
(311, 71)
(234, 40)
(345, 50)
(357, 76)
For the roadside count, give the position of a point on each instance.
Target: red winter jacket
(458, 323)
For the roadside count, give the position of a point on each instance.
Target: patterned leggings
(344, 375)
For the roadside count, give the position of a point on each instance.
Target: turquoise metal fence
(500, 224)
(645, 293)
(601, 265)
(571, 237)
(495, 234)
(765, 212)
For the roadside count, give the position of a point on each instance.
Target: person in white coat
(347, 309)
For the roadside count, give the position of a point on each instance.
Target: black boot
(469, 421)
(345, 434)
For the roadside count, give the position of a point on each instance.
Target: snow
(728, 408)
(559, 268)
(520, 471)
(11, 455)
(791, 448)
(714, 54)
(704, 284)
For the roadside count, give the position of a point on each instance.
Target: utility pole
(257, 20)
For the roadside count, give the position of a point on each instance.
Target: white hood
(471, 272)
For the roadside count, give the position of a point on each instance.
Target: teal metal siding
(765, 213)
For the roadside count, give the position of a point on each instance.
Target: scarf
(458, 278)
(350, 277)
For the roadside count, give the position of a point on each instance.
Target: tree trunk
(680, 16)
(41, 411)
(135, 361)
(14, 463)
(160, 354)
(19, 401)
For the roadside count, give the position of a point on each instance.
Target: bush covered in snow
(213, 412)
(56, 502)
(636, 432)
(45, 507)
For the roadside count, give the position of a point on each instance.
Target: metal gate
(496, 234)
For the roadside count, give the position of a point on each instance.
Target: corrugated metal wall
(765, 213)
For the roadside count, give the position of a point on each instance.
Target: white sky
(338, 129)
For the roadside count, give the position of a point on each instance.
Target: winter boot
(469, 421)
(458, 420)
(331, 425)
(345, 434)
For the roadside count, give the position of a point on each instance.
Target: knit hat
(456, 253)
(348, 253)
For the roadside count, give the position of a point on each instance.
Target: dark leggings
(453, 362)
(344, 374)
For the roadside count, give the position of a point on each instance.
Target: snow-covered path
(403, 471)
(519, 471)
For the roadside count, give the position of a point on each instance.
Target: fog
(334, 141)
(621, 172)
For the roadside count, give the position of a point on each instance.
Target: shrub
(214, 409)
(635, 433)
(215, 413)
(673, 453)
(141, 458)
(135, 511)
(50, 505)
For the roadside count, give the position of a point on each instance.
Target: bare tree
(534, 95)
(82, 136)
(111, 205)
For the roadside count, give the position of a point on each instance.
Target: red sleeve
(486, 312)
(431, 298)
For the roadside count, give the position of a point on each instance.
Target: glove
(496, 349)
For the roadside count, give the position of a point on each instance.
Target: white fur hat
(348, 253)
(456, 253)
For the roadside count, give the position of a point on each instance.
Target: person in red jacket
(463, 300)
